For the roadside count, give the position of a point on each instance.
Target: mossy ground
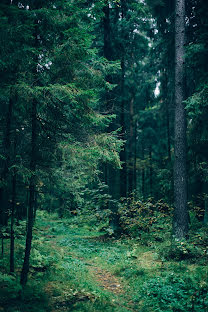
(79, 269)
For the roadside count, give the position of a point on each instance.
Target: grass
(78, 269)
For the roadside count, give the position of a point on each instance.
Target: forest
(104, 155)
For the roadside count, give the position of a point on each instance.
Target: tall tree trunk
(30, 218)
(180, 221)
(143, 172)
(123, 172)
(205, 191)
(206, 209)
(33, 164)
(35, 205)
(107, 55)
(135, 156)
(150, 171)
(131, 149)
(2, 246)
(4, 200)
(168, 131)
(4, 196)
(14, 182)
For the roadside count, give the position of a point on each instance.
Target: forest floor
(78, 269)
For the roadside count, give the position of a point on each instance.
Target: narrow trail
(70, 249)
(111, 283)
(106, 280)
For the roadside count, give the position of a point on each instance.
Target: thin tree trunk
(33, 164)
(135, 156)
(143, 173)
(12, 223)
(25, 268)
(206, 210)
(167, 113)
(14, 180)
(123, 172)
(107, 55)
(168, 131)
(131, 150)
(2, 246)
(4, 200)
(180, 221)
(151, 171)
(35, 205)
(205, 201)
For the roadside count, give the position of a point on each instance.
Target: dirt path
(106, 280)
(60, 294)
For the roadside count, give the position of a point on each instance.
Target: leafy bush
(39, 261)
(192, 249)
(181, 250)
(137, 217)
(98, 209)
(130, 272)
(10, 287)
(173, 293)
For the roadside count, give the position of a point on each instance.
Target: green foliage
(9, 287)
(128, 272)
(98, 208)
(175, 293)
(13, 298)
(67, 256)
(181, 250)
(197, 103)
(87, 103)
(138, 218)
(40, 261)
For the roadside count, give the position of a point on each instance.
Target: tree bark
(2, 246)
(131, 149)
(33, 164)
(180, 221)
(150, 171)
(206, 210)
(168, 133)
(135, 157)
(12, 224)
(143, 172)
(30, 218)
(123, 172)
(4, 200)
(107, 55)
(14, 182)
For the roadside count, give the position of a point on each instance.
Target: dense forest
(104, 155)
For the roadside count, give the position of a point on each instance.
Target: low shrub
(130, 272)
(174, 293)
(138, 218)
(181, 250)
(10, 287)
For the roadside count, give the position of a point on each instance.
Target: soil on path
(106, 280)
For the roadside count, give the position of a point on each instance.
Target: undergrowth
(154, 274)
